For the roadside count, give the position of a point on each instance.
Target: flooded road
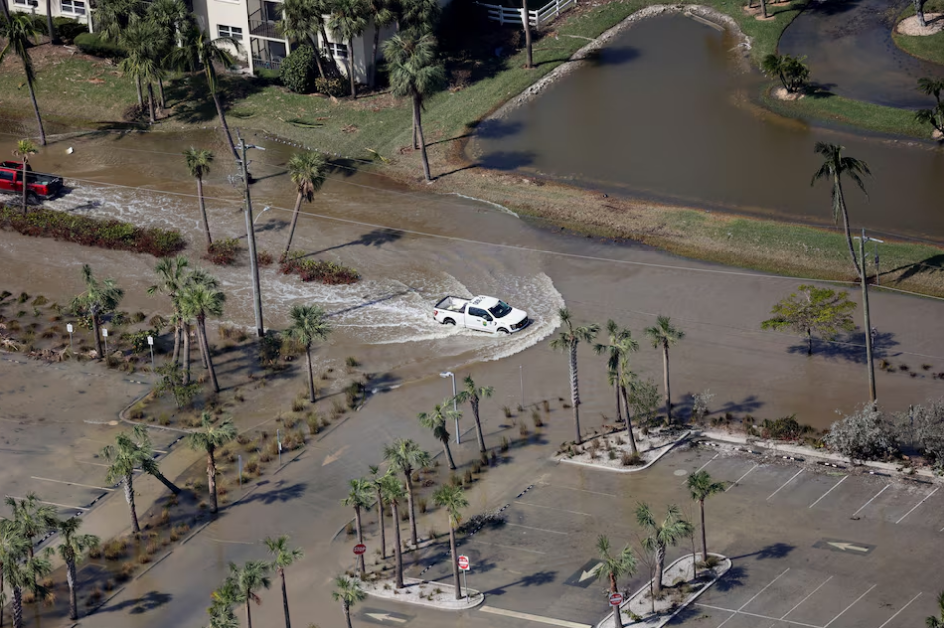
(666, 113)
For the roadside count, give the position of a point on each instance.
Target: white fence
(537, 18)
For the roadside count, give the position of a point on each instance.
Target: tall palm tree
(405, 456)
(72, 546)
(415, 73)
(284, 556)
(19, 31)
(25, 572)
(452, 500)
(23, 151)
(198, 164)
(142, 41)
(702, 486)
(309, 324)
(112, 17)
(348, 20)
(473, 395)
(663, 335)
(31, 518)
(208, 439)
(171, 18)
(377, 484)
(358, 498)
(12, 547)
(937, 622)
(381, 14)
(172, 273)
(308, 172)
(834, 166)
(614, 566)
(660, 535)
(568, 340)
(437, 422)
(99, 299)
(300, 21)
(617, 349)
(347, 591)
(247, 581)
(392, 491)
(198, 300)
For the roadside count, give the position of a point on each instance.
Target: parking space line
(871, 500)
(807, 597)
(684, 482)
(889, 620)
(830, 490)
(52, 503)
(785, 483)
(101, 488)
(741, 478)
(582, 490)
(511, 547)
(850, 606)
(534, 618)
(734, 612)
(573, 512)
(767, 586)
(918, 504)
(518, 525)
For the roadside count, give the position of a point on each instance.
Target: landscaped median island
(424, 593)
(613, 451)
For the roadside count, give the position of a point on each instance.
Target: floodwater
(666, 113)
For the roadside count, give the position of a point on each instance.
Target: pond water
(666, 112)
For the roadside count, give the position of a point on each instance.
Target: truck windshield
(500, 309)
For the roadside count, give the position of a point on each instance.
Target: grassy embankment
(930, 47)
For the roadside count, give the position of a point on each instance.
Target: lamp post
(865, 311)
(251, 236)
(455, 407)
(256, 219)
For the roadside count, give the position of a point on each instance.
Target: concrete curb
(665, 449)
(476, 598)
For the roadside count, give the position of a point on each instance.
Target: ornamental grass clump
(330, 273)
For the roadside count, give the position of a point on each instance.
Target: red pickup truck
(38, 185)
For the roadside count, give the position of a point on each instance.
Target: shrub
(863, 435)
(115, 549)
(507, 411)
(299, 70)
(422, 504)
(222, 252)
(784, 428)
(504, 444)
(264, 258)
(331, 87)
(298, 404)
(329, 273)
(68, 29)
(92, 44)
(630, 460)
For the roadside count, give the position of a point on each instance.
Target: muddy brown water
(665, 112)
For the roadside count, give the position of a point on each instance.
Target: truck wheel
(32, 199)
(449, 321)
(502, 330)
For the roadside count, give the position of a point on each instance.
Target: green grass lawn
(930, 47)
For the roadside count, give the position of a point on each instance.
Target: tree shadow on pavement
(535, 579)
(147, 602)
(775, 550)
(850, 347)
(279, 494)
(731, 580)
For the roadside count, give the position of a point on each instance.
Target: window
(476, 312)
(229, 31)
(73, 7)
(6, 175)
(338, 50)
(27, 3)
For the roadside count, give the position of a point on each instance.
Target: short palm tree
(71, 548)
(619, 345)
(473, 395)
(142, 40)
(309, 324)
(377, 484)
(172, 273)
(663, 335)
(99, 299)
(702, 486)
(308, 172)
(614, 566)
(25, 572)
(198, 300)
(348, 20)
(224, 600)
(937, 622)
(415, 73)
(359, 498)
(31, 518)
(406, 456)
(451, 499)
(12, 547)
(208, 439)
(247, 580)
(19, 32)
(348, 591)
(198, 164)
(171, 17)
(23, 151)
(283, 556)
(568, 340)
(834, 166)
(381, 14)
(392, 491)
(300, 21)
(437, 422)
(661, 535)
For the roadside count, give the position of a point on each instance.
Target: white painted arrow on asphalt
(592, 572)
(385, 617)
(336, 455)
(849, 546)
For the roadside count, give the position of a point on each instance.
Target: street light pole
(251, 237)
(455, 407)
(264, 210)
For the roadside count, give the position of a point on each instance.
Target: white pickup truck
(481, 313)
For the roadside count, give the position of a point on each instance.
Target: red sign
(359, 549)
(464, 563)
(616, 599)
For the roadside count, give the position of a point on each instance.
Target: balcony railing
(261, 27)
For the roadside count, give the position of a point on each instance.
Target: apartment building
(76, 9)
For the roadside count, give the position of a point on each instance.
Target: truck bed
(452, 304)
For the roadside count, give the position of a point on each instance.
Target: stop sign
(616, 599)
(464, 563)
(359, 549)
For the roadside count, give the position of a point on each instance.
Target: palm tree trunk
(205, 348)
(70, 578)
(919, 12)
(478, 427)
(137, 86)
(39, 119)
(704, 540)
(211, 479)
(574, 391)
(291, 230)
(619, 404)
(177, 335)
(311, 376)
(416, 138)
(613, 587)
(317, 49)
(129, 497)
(763, 6)
(219, 112)
(163, 480)
(350, 67)
(455, 561)
(97, 332)
(150, 89)
(50, 26)
(17, 607)
(360, 539)
(419, 131)
(6, 16)
(845, 225)
(25, 186)
(186, 332)
(160, 89)
(249, 611)
(373, 60)
(397, 546)
(809, 341)
(452, 464)
(409, 500)
(203, 211)
(347, 614)
(526, 23)
(288, 620)
(383, 525)
(660, 566)
(665, 375)
(629, 424)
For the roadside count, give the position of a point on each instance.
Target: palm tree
(415, 73)
(224, 599)
(833, 167)
(309, 323)
(198, 300)
(99, 299)
(23, 150)
(359, 497)
(568, 340)
(31, 518)
(284, 557)
(209, 439)
(473, 395)
(937, 622)
(452, 500)
(405, 456)
(71, 547)
(200, 50)
(247, 580)
(614, 567)
(377, 483)
(347, 591)
(198, 164)
(172, 273)
(20, 32)
(171, 18)
(21, 572)
(112, 17)
(393, 493)
(141, 40)
(436, 421)
(308, 171)
(620, 344)
(348, 20)
(419, 16)
(661, 535)
(702, 486)
(663, 335)
(381, 14)
(300, 21)
(12, 547)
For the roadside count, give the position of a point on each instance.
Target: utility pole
(251, 236)
(865, 312)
